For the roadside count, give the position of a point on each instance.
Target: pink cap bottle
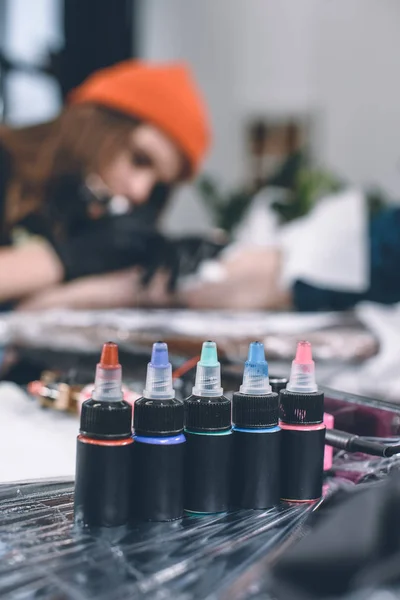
(303, 431)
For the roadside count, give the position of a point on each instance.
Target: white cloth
(329, 247)
(260, 224)
(380, 375)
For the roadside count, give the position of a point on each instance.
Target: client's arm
(251, 282)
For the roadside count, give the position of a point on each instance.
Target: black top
(207, 414)
(158, 418)
(255, 412)
(106, 420)
(301, 409)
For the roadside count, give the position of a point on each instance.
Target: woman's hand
(111, 243)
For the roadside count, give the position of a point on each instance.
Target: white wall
(357, 78)
(338, 60)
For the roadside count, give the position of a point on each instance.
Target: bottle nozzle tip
(209, 356)
(256, 352)
(159, 374)
(208, 372)
(159, 355)
(302, 375)
(303, 353)
(109, 356)
(107, 383)
(255, 375)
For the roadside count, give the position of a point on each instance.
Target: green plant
(305, 186)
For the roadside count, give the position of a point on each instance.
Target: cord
(185, 367)
(354, 443)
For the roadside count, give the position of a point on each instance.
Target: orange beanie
(164, 95)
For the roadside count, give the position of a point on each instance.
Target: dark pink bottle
(303, 431)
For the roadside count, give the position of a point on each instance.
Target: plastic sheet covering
(43, 556)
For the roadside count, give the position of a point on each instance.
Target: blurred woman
(127, 135)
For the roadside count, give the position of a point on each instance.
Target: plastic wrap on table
(43, 555)
(335, 336)
(216, 556)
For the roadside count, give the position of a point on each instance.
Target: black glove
(182, 257)
(110, 244)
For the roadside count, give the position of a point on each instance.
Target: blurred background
(329, 70)
(289, 229)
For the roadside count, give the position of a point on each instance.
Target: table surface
(34, 442)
